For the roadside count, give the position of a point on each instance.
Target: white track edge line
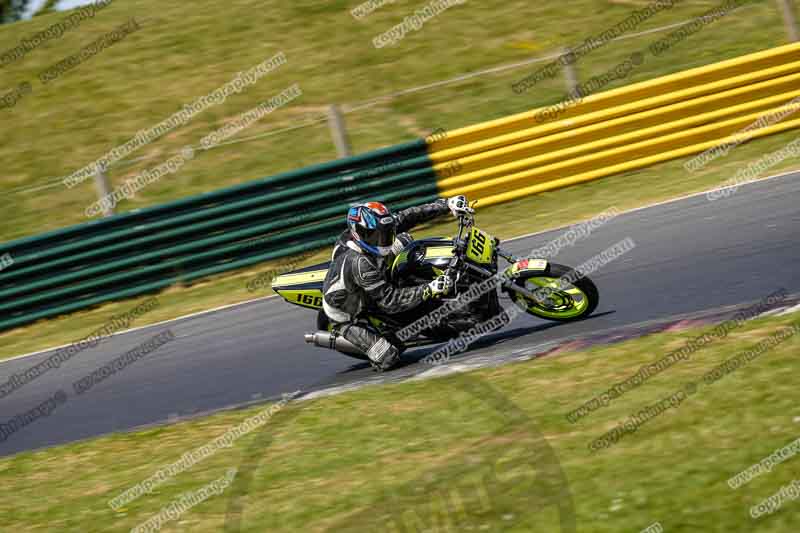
(184, 317)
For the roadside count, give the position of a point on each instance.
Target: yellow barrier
(642, 123)
(695, 138)
(488, 166)
(626, 128)
(630, 165)
(612, 112)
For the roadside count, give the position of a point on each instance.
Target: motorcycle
(543, 289)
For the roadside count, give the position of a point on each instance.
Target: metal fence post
(338, 131)
(570, 73)
(103, 189)
(791, 21)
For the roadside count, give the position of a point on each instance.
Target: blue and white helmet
(372, 227)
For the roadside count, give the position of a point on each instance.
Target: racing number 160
(307, 299)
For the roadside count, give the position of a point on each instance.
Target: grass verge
(342, 462)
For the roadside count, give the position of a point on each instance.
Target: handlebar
(465, 221)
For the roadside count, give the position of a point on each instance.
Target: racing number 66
(478, 243)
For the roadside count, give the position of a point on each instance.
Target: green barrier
(249, 231)
(412, 151)
(335, 225)
(213, 220)
(22, 318)
(146, 288)
(223, 252)
(149, 249)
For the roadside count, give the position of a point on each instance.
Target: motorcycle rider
(357, 279)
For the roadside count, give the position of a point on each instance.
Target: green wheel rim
(579, 304)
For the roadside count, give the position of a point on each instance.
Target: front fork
(508, 256)
(542, 295)
(508, 283)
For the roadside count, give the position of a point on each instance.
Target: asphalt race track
(691, 255)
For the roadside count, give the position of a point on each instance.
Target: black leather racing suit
(357, 282)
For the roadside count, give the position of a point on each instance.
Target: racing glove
(401, 242)
(438, 288)
(459, 206)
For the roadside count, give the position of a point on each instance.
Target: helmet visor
(384, 233)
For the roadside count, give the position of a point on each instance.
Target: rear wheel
(562, 302)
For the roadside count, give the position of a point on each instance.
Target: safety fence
(149, 249)
(497, 161)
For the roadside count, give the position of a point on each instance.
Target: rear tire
(555, 271)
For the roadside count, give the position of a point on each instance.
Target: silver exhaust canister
(332, 341)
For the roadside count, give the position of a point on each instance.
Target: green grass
(183, 53)
(180, 55)
(344, 463)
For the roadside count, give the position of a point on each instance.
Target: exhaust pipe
(332, 341)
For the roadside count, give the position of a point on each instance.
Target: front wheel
(572, 300)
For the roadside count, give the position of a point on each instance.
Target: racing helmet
(372, 227)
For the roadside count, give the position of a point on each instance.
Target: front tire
(577, 300)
